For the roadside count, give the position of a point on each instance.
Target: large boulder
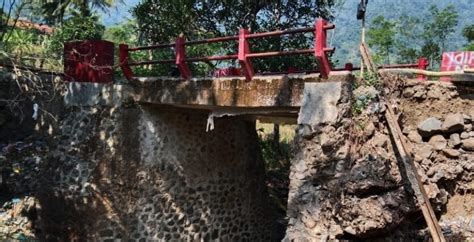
(453, 123)
(429, 127)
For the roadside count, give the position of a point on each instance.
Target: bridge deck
(279, 95)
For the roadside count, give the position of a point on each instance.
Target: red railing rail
(243, 55)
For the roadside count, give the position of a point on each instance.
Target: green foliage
(411, 37)
(408, 39)
(360, 103)
(161, 21)
(370, 79)
(442, 23)
(122, 33)
(75, 28)
(468, 33)
(381, 36)
(436, 30)
(54, 11)
(469, 47)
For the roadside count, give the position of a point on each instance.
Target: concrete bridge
(172, 159)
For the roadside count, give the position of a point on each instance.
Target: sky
(119, 13)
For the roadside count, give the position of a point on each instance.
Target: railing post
(348, 67)
(123, 59)
(422, 65)
(320, 48)
(242, 55)
(181, 57)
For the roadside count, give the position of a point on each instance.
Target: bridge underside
(274, 98)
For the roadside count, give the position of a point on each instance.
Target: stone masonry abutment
(137, 163)
(144, 173)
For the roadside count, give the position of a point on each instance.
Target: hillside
(347, 34)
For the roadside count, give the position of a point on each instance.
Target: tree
(75, 28)
(408, 39)
(54, 11)
(161, 21)
(439, 26)
(468, 33)
(122, 33)
(443, 23)
(381, 36)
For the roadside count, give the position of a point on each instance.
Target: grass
(277, 156)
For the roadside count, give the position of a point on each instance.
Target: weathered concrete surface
(283, 91)
(319, 105)
(266, 91)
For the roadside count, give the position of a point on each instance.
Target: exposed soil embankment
(347, 181)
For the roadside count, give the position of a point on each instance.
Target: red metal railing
(243, 55)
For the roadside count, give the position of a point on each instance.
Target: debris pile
(19, 166)
(17, 217)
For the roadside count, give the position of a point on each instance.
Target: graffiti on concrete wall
(456, 61)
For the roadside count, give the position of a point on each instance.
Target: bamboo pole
(429, 73)
(413, 176)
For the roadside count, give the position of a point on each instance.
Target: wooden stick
(429, 73)
(367, 59)
(413, 176)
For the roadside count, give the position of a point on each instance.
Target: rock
(369, 130)
(468, 144)
(471, 114)
(306, 131)
(301, 166)
(471, 224)
(429, 127)
(299, 176)
(426, 163)
(467, 118)
(424, 150)
(438, 142)
(414, 137)
(453, 123)
(454, 140)
(379, 140)
(432, 190)
(442, 197)
(435, 93)
(468, 127)
(464, 135)
(452, 153)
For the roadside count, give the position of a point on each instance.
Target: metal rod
(280, 32)
(280, 53)
(288, 73)
(211, 58)
(212, 40)
(151, 47)
(329, 26)
(399, 66)
(151, 62)
(225, 38)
